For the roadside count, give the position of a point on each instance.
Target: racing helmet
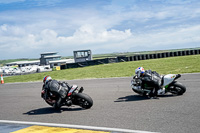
(139, 71)
(46, 79)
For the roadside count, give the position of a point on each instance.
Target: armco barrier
(132, 58)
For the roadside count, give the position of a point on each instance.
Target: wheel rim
(84, 103)
(83, 100)
(176, 90)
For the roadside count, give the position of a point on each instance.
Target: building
(60, 62)
(47, 57)
(23, 63)
(82, 55)
(54, 60)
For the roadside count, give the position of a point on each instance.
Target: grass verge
(181, 64)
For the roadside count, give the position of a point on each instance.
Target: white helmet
(46, 79)
(139, 71)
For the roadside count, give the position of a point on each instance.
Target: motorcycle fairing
(168, 79)
(73, 88)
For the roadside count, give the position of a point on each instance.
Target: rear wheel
(177, 88)
(83, 100)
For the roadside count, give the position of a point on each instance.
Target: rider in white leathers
(151, 78)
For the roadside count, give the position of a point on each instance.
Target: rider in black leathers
(59, 89)
(150, 78)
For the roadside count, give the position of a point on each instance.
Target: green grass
(182, 64)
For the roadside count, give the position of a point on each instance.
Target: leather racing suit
(151, 79)
(59, 89)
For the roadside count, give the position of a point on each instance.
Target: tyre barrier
(132, 58)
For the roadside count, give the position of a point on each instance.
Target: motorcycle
(74, 96)
(167, 81)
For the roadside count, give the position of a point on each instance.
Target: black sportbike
(74, 97)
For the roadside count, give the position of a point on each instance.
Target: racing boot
(58, 103)
(153, 94)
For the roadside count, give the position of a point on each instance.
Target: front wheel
(83, 100)
(177, 88)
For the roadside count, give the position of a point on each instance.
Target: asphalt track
(115, 106)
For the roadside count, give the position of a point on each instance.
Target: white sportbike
(168, 84)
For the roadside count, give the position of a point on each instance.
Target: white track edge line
(75, 126)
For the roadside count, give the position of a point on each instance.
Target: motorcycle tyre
(52, 104)
(87, 100)
(181, 86)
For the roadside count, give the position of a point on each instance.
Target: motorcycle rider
(59, 89)
(150, 78)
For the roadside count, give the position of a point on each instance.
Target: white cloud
(170, 38)
(114, 28)
(89, 37)
(90, 34)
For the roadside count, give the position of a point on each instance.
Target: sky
(31, 27)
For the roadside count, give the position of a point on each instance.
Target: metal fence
(132, 58)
